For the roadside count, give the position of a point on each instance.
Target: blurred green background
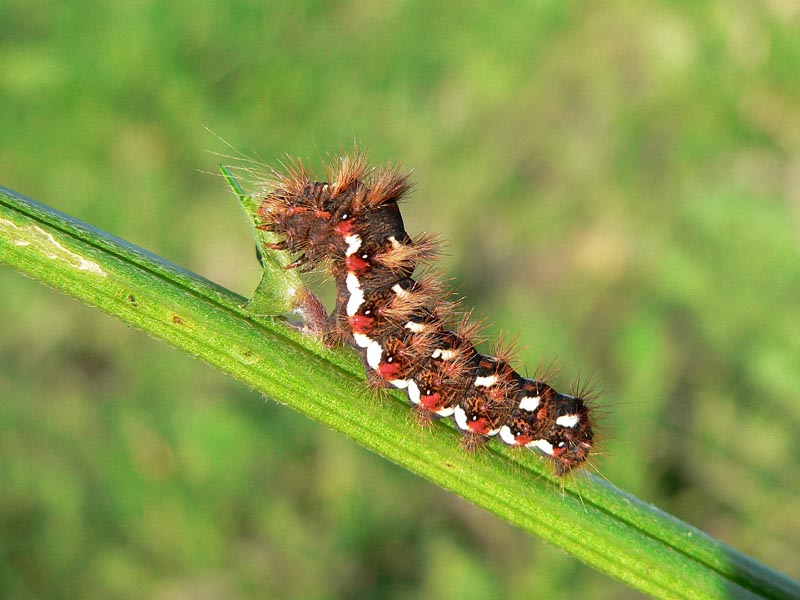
(620, 187)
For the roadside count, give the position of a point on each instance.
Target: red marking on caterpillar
(401, 327)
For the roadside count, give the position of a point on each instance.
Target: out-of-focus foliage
(620, 187)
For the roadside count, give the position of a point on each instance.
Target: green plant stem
(586, 516)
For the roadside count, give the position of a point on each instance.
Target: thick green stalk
(587, 517)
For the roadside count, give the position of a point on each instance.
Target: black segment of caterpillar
(401, 326)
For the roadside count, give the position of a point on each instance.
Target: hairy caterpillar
(401, 326)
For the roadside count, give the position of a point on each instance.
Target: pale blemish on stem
(33, 235)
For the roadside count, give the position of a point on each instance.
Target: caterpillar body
(402, 327)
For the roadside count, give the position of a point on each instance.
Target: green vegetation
(618, 188)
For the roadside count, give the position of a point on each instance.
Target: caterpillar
(403, 328)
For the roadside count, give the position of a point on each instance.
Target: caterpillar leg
(313, 313)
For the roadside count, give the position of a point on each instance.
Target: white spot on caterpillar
(485, 381)
(507, 435)
(529, 403)
(542, 445)
(445, 412)
(393, 241)
(413, 392)
(356, 294)
(353, 244)
(460, 418)
(361, 340)
(443, 354)
(397, 289)
(400, 383)
(374, 355)
(568, 420)
(415, 327)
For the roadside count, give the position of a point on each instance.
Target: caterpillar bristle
(292, 180)
(404, 256)
(505, 350)
(349, 171)
(471, 442)
(471, 329)
(388, 184)
(400, 323)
